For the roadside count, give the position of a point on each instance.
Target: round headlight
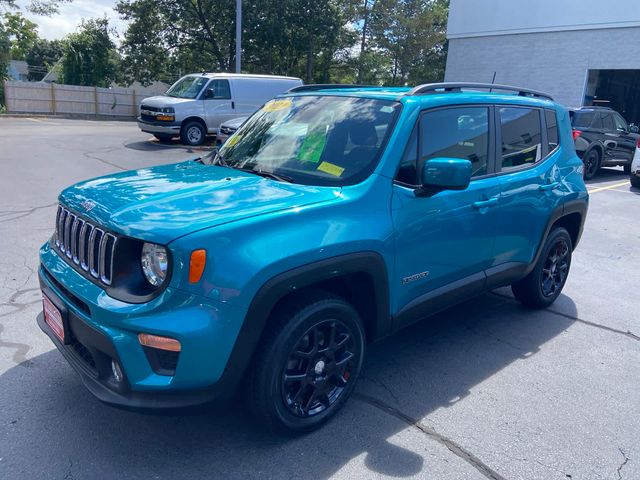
(154, 263)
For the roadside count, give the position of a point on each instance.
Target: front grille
(151, 109)
(86, 245)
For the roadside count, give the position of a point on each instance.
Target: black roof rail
(448, 87)
(312, 87)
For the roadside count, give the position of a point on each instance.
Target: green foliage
(38, 7)
(5, 45)
(23, 33)
(90, 57)
(42, 57)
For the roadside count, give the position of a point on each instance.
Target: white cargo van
(197, 104)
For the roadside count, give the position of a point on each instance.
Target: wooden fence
(53, 98)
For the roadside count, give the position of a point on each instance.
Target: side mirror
(209, 93)
(444, 174)
(634, 128)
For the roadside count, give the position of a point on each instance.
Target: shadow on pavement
(56, 429)
(154, 145)
(608, 175)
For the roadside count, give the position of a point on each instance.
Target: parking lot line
(609, 187)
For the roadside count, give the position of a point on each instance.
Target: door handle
(233, 104)
(549, 186)
(486, 203)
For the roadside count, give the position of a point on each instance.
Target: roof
(437, 92)
(243, 75)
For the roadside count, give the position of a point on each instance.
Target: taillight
(576, 134)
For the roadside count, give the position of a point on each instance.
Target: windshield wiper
(266, 174)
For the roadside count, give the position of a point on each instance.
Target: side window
(221, 90)
(552, 128)
(620, 123)
(408, 172)
(521, 137)
(607, 122)
(597, 122)
(461, 132)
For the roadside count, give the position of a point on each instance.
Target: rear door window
(582, 119)
(607, 122)
(521, 136)
(461, 132)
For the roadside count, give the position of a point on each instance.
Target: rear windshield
(582, 119)
(315, 140)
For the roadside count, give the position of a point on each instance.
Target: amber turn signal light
(161, 343)
(196, 265)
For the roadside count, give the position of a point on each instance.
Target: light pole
(238, 33)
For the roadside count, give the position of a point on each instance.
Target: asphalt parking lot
(486, 389)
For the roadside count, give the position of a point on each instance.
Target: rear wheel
(543, 285)
(193, 133)
(591, 163)
(308, 364)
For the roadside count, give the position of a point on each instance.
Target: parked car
(634, 174)
(603, 139)
(339, 216)
(197, 104)
(229, 128)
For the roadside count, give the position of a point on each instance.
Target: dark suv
(603, 139)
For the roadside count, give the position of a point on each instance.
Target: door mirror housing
(209, 93)
(444, 174)
(634, 128)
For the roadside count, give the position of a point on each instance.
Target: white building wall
(555, 62)
(500, 17)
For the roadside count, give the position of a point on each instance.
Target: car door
(530, 183)
(444, 242)
(626, 146)
(218, 103)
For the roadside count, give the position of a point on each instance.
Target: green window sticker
(312, 147)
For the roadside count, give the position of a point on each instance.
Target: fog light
(117, 371)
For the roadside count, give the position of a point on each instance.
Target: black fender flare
(295, 279)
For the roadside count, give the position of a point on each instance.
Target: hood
(160, 204)
(161, 101)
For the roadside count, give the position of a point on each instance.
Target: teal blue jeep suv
(333, 217)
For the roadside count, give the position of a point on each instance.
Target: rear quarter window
(582, 119)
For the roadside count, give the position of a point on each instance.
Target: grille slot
(85, 245)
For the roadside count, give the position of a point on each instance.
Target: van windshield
(313, 140)
(187, 87)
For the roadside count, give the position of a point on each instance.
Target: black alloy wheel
(591, 164)
(318, 368)
(556, 268)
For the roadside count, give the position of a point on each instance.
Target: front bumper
(103, 329)
(165, 129)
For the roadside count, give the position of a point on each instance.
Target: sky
(57, 26)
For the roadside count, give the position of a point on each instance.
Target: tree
(294, 37)
(42, 57)
(89, 56)
(23, 33)
(39, 7)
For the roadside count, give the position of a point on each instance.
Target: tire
(163, 138)
(543, 285)
(592, 159)
(193, 133)
(627, 168)
(635, 181)
(301, 376)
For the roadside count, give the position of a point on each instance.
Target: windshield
(313, 140)
(187, 87)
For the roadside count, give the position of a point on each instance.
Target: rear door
(218, 103)
(530, 181)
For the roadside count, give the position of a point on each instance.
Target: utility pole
(238, 33)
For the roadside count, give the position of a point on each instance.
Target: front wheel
(308, 363)
(635, 181)
(543, 285)
(627, 168)
(193, 133)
